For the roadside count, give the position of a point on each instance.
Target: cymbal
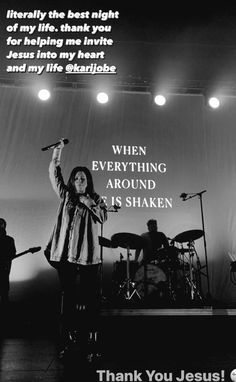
(127, 240)
(188, 236)
(104, 242)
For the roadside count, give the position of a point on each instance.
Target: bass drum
(150, 281)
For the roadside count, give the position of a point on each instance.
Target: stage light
(214, 102)
(102, 97)
(160, 100)
(44, 94)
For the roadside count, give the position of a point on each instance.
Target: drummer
(154, 240)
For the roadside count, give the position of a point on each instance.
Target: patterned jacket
(75, 235)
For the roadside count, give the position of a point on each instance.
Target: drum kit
(173, 274)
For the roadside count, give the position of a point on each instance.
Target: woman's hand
(87, 201)
(56, 155)
(62, 144)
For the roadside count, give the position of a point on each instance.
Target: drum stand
(194, 291)
(128, 286)
(186, 197)
(170, 283)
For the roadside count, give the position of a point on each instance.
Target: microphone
(183, 196)
(65, 141)
(116, 207)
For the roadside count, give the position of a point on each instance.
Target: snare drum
(154, 278)
(168, 258)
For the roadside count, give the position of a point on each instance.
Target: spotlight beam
(44, 94)
(160, 100)
(102, 97)
(214, 102)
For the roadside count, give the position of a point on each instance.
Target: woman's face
(80, 182)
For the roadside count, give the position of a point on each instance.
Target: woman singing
(74, 250)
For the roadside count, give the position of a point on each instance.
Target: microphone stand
(193, 195)
(101, 251)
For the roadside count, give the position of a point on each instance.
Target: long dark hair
(71, 181)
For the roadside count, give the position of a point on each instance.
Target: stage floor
(36, 359)
(207, 311)
(133, 340)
